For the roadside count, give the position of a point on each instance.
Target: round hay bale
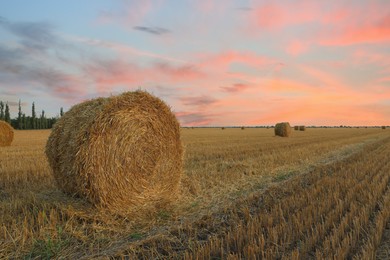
(302, 128)
(283, 129)
(223, 128)
(120, 153)
(242, 128)
(296, 128)
(6, 133)
(383, 127)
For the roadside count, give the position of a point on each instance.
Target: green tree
(24, 121)
(33, 117)
(43, 121)
(7, 116)
(20, 123)
(61, 112)
(1, 110)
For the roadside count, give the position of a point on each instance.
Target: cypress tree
(61, 112)
(33, 117)
(20, 123)
(42, 120)
(7, 116)
(1, 110)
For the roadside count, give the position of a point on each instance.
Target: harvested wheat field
(319, 194)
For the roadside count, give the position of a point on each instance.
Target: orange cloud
(324, 23)
(374, 33)
(368, 23)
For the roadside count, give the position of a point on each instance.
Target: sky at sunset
(214, 62)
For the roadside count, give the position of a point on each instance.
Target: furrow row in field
(330, 212)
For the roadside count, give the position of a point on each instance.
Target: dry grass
(323, 193)
(6, 134)
(122, 153)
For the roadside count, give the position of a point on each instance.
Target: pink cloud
(224, 59)
(275, 16)
(206, 6)
(358, 34)
(199, 101)
(331, 24)
(237, 87)
(176, 73)
(108, 74)
(384, 80)
(195, 118)
(368, 23)
(371, 57)
(297, 47)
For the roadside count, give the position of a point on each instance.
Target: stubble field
(322, 193)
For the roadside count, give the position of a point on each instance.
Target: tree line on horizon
(26, 122)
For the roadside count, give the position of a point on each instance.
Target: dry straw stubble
(6, 134)
(120, 153)
(283, 129)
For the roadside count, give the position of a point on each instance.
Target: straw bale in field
(6, 134)
(120, 153)
(283, 129)
(296, 127)
(383, 127)
(302, 128)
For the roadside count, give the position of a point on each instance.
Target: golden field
(321, 193)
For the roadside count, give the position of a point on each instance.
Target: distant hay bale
(383, 127)
(242, 128)
(223, 128)
(6, 134)
(120, 153)
(283, 129)
(296, 128)
(302, 128)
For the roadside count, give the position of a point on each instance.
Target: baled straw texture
(6, 134)
(283, 129)
(296, 127)
(383, 127)
(120, 153)
(302, 128)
